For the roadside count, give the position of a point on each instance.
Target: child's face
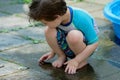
(52, 24)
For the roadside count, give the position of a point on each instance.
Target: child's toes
(59, 65)
(53, 64)
(56, 65)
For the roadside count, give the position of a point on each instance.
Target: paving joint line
(22, 67)
(15, 47)
(13, 73)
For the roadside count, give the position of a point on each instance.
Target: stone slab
(1, 14)
(27, 75)
(101, 63)
(110, 54)
(11, 9)
(115, 76)
(98, 14)
(9, 40)
(8, 68)
(6, 2)
(70, 2)
(26, 55)
(95, 10)
(88, 6)
(33, 32)
(13, 22)
(22, 15)
(103, 2)
(103, 23)
(102, 68)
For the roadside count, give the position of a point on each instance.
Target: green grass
(27, 1)
(24, 1)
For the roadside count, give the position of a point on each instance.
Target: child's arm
(46, 56)
(86, 52)
(72, 65)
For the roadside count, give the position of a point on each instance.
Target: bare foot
(82, 64)
(59, 62)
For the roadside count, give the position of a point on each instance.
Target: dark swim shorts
(61, 39)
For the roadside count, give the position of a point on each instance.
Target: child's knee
(74, 37)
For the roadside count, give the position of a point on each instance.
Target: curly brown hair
(47, 9)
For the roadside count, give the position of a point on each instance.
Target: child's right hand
(46, 57)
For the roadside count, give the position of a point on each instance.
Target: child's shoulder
(76, 9)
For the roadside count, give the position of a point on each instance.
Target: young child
(70, 32)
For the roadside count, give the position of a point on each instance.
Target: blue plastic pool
(112, 13)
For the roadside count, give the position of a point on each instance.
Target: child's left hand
(71, 67)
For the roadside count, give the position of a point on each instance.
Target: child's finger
(41, 63)
(70, 71)
(43, 58)
(66, 69)
(48, 57)
(73, 70)
(66, 63)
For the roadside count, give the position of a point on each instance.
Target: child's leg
(75, 40)
(52, 41)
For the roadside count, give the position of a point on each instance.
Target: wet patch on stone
(107, 54)
(108, 50)
(115, 76)
(102, 68)
(86, 73)
(113, 56)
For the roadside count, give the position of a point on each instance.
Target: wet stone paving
(22, 43)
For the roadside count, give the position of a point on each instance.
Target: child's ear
(57, 16)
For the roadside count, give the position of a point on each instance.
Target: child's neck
(66, 17)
